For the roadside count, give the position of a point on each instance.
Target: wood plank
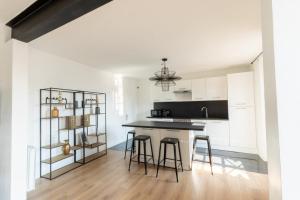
(94, 145)
(78, 127)
(62, 170)
(55, 145)
(93, 156)
(57, 158)
(108, 178)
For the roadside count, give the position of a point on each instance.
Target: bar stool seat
(169, 140)
(205, 138)
(173, 142)
(143, 139)
(201, 137)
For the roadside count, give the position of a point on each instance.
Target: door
(199, 89)
(242, 127)
(216, 88)
(218, 132)
(241, 89)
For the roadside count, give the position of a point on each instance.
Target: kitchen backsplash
(192, 109)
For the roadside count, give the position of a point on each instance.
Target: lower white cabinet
(242, 127)
(218, 132)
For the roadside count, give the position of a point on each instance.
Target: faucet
(206, 111)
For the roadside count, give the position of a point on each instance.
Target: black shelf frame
(49, 101)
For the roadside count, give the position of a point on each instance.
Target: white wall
(282, 86)
(13, 116)
(47, 70)
(260, 114)
(5, 114)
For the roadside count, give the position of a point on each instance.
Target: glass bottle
(55, 112)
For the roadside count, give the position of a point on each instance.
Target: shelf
(93, 156)
(78, 127)
(94, 104)
(57, 158)
(94, 145)
(57, 117)
(94, 134)
(77, 147)
(57, 104)
(62, 170)
(53, 146)
(69, 116)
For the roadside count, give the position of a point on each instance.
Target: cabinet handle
(147, 128)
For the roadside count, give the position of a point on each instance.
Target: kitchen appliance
(166, 113)
(156, 113)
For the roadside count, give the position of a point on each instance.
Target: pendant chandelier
(165, 78)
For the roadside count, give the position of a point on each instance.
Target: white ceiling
(131, 36)
(11, 8)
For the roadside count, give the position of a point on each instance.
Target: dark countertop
(194, 118)
(165, 125)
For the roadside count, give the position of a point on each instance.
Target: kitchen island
(159, 130)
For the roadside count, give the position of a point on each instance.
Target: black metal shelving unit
(52, 130)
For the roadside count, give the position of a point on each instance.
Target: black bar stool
(132, 132)
(205, 138)
(141, 138)
(172, 141)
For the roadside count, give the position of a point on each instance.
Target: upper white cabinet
(159, 96)
(183, 85)
(241, 89)
(216, 88)
(199, 89)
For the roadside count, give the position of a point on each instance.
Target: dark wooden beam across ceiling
(44, 16)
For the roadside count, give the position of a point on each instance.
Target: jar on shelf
(66, 147)
(54, 112)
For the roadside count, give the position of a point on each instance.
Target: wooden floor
(108, 178)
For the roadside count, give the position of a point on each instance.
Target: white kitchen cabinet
(216, 88)
(218, 132)
(241, 89)
(199, 89)
(242, 126)
(182, 85)
(160, 96)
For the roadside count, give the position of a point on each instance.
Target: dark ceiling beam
(44, 16)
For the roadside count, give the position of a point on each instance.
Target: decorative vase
(55, 112)
(59, 98)
(97, 110)
(66, 148)
(86, 120)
